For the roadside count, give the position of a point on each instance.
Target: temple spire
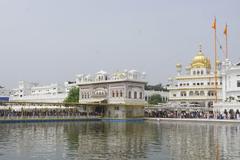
(200, 47)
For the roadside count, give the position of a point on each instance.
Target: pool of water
(119, 140)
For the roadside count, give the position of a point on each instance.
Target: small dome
(200, 61)
(101, 72)
(132, 71)
(119, 75)
(88, 75)
(79, 75)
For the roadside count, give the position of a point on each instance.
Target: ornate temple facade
(119, 88)
(121, 92)
(196, 87)
(231, 81)
(230, 88)
(34, 92)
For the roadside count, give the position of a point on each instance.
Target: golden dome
(200, 61)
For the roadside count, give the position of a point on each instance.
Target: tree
(155, 99)
(73, 96)
(157, 87)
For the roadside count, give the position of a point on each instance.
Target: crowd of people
(193, 114)
(44, 113)
(74, 112)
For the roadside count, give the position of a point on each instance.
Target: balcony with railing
(203, 97)
(194, 87)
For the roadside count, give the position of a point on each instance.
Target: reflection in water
(103, 140)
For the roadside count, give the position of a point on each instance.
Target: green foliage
(157, 87)
(155, 99)
(73, 96)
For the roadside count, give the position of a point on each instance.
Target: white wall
(59, 98)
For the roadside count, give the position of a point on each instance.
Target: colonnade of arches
(130, 94)
(197, 93)
(117, 93)
(135, 95)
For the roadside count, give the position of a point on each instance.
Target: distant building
(118, 88)
(231, 81)
(4, 94)
(68, 85)
(125, 88)
(197, 86)
(230, 88)
(33, 92)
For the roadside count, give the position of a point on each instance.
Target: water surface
(118, 140)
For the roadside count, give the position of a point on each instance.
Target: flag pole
(215, 57)
(226, 42)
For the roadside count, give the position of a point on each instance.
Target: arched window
(198, 72)
(121, 94)
(140, 95)
(135, 95)
(202, 93)
(183, 94)
(196, 93)
(191, 93)
(113, 94)
(201, 72)
(117, 94)
(211, 93)
(194, 72)
(129, 94)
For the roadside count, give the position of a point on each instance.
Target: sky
(50, 41)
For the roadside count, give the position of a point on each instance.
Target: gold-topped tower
(196, 86)
(200, 60)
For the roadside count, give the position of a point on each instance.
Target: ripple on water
(104, 140)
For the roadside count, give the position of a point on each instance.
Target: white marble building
(68, 85)
(195, 87)
(33, 92)
(4, 94)
(230, 88)
(231, 81)
(125, 87)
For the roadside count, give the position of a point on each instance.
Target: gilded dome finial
(200, 47)
(200, 60)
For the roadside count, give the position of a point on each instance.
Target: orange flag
(225, 30)
(214, 23)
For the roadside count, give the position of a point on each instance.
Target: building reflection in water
(105, 140)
